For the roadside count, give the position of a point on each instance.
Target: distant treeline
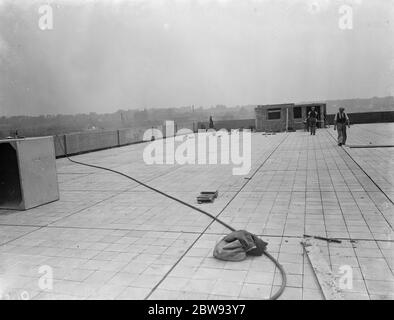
(58, 124)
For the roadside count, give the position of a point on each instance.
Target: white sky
(107, 55)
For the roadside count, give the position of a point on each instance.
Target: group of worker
(341, 121)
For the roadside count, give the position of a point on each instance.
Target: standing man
(312, 117)
(211, 126)
(341, 120)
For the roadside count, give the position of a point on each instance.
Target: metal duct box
(28, 175)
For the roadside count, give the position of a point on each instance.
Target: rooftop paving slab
(110, 238)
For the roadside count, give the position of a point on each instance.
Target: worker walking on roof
(312, 118)
(341, 120)
(211, 126)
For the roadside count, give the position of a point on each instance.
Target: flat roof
(275, 105)
(284, 105)
(24, 139)
(310, 104)
(109, 238)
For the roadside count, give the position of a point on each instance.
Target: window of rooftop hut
(274, 114)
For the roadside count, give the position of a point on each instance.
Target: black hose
(278, 265)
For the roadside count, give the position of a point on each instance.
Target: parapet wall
(366, 117)
(355, 118)
(75, 143)
(82, 142)
(230, 124)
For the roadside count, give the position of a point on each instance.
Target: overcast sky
(102, 56)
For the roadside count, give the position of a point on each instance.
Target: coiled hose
(275, 296)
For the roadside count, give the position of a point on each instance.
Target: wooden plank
(322, 270)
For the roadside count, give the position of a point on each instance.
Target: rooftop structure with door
(286, 116)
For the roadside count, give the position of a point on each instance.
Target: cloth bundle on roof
(237, 245)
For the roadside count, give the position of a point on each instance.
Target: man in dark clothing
(341, 120)
(312, 117)
(211, 126)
